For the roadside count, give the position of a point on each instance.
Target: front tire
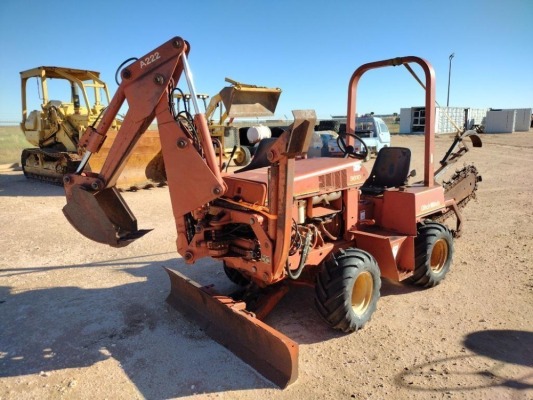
(433, 254)
(242, 156)
(347, 289)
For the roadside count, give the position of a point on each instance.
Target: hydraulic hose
(120, 67)
(305, 252)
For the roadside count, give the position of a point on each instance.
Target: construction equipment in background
(56, 127)
(239, 100)
(284, 220)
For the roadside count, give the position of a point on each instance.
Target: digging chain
(457, 177)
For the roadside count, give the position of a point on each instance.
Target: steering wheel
(348, 150)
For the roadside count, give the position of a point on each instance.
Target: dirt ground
(79, 320)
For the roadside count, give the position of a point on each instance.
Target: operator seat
(390, 170)
(260, 159)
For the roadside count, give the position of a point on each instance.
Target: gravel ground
(79, 320)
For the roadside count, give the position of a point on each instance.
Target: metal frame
(429, 131)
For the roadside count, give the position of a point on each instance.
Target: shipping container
(476, 117)
(454, 119)
(500, 121)
(449, 119)
(405, 120)
(418, 118)
(523, 119)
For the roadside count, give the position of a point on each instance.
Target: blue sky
(307, 48)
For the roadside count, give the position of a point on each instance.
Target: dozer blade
(270, 352)
(103, 217)
(144, 168)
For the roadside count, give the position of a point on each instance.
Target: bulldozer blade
(103, 217)
(249, 101)
(226, 321)
(144, 168)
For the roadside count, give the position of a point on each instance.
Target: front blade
(270, 352)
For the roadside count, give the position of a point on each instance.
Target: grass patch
(12, 142)
(394, 127)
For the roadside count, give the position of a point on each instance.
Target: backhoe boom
(147, 87)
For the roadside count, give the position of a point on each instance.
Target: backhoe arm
(94, 206)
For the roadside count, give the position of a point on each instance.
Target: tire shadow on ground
(491, 360)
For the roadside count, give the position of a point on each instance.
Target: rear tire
(347, 289)
(433, 254)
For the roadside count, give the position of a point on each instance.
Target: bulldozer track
(44, 179)
(57, 180)
(50, 177)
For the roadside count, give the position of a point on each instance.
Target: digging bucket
(249, 101)
(102, 216)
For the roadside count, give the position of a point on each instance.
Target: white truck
(372, 130)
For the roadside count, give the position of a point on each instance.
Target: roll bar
(429, 130)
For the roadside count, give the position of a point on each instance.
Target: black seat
(390, 170)
(260, 159)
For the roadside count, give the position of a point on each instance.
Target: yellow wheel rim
(363, 289)
(239, 156)
(439, 255)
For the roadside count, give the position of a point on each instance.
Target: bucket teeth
(226, 321)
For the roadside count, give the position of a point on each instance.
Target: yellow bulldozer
(55, 126)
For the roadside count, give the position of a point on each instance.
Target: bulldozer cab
(80, 82)
(42, 111)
